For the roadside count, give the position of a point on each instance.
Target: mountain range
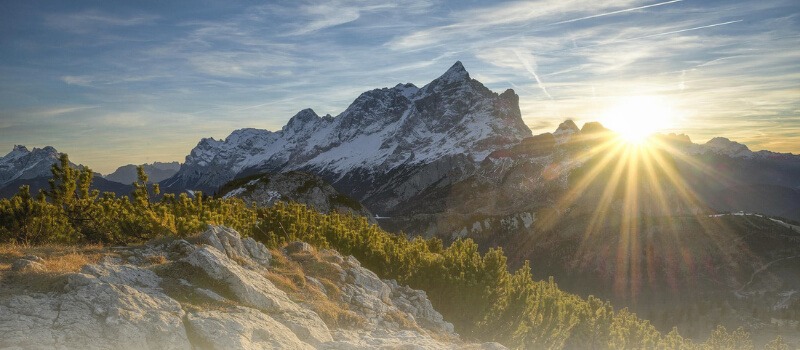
(453, 159)
(385, 148)
(32, 167)
(156, 172)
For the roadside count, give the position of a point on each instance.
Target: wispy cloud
(89, 20)
(528, 61)
(56, 111)
(505, 18)
(729, 67)
(77, 80)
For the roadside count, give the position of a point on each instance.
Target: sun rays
(635, 196)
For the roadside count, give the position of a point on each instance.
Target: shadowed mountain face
(293, 186)
(156, 172)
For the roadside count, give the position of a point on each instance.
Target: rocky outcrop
(212, 291)
(293, 186)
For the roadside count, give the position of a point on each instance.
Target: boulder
(254, 290)
(25, 265)
(228, 241)
(241, 328)
(97, 309)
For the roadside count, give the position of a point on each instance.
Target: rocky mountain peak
(724, 142)
(18, 151)
(21, 163)
(565, 131)
(567, 127)
(301, 119)
(156, 172)
(455, 74)
(382, 132)
(408, 90)
(20, 148)
(722, 145)
(593, 127)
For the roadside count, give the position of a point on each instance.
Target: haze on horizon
(114, 83)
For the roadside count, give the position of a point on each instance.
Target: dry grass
(57, 258)
(289, 275)
(403, 321)
(284, 282)
(156, 259)
(71, 262)
(13, 283)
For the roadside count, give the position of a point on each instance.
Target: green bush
(474, 291)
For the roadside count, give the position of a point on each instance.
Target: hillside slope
(265, 189)
(220, 291)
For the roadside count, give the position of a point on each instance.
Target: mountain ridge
(156, 172)
(384, 133)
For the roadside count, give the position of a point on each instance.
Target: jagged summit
(301, 119)
(565, 131)
(456, 72)
(408, 89)
(20, 148)
(382, 131)
(568, 126)
(22, 163)
(18, 151)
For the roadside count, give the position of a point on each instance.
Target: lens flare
(636, 118)
(637, 189)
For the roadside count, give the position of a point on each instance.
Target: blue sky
(118, 82)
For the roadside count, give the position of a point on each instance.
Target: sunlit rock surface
(212, 292)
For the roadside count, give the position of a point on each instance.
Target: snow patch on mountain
(22, 163)
(721, 145)
(383, 129)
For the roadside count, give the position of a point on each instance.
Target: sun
(635, 118)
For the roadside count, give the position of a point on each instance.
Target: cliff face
(294, 186)
(218, 291)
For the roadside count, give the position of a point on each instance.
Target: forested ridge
(474, 291)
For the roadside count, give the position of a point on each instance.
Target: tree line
(476, 292)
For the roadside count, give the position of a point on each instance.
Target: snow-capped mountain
(22, 163)
(721, 145)
(404, 136)
(32, 168)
